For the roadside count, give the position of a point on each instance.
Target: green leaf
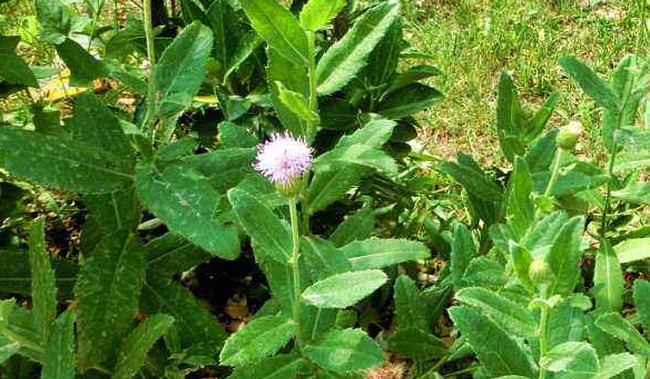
(462, 252)
(279, 367)
(59, 356)
(107, 292)
(521, 259)
(260, 338)
(593, 86)
(473, 180)
(508, 118)
(13, 69)
(197, 328)
(636, 193)
(485, 272)
(623, 83)
(138, 343)
(227, 34)
(509, 315)
(416, 344)
(323, 258)
(608, 279)
(171, 254)
(344, 290)
(84, 68)
(356, 227)
(233, 136)
(318, 13)
(620, 328)
(642, 301)
(225, 168)
(55, 20)
(7, 349)
(43, 286)
(362, 155)
(412, 75)
(59, 162)
(383, 252)
(181, 69)
(347, 57)
(264, 227)
(16, 277)
(520, 209)
(572, 360)
(614, 364)
(499, 353)
(333, 182)
(408, 100)
(343, 351)
(296, 103)
(384, 59)
(564, 257)
(410, 309)
(187, 203)
(279, 28)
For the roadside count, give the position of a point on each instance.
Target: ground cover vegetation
(238, 189)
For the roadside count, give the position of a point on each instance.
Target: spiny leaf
(43, 281)
(59, 356)
(318, 13)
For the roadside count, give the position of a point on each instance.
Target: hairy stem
(295, 257)
(543, 333)
(151, 57)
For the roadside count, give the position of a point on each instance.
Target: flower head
(283, 159)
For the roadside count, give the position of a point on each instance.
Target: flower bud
(568, 136)
(540, 272)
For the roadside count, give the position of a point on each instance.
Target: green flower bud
(568, 136)
(540, 272)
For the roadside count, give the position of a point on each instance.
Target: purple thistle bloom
(283, 158)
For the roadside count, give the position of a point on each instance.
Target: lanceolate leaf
(462, 252)
(260, 338)
(347, 57)
(383, 252)
(642, 301)
(410, 309)
(187, 203)
(296, 103)
(608, 279)
(60, 162)
(344, 351)
(107, 293)
(408, 100)
(318, 13)
(473, 181)
(278, 27)
(564, 257)
(498, 352)
(137, 344)
(595, 87)
(618, 327)
(278, 367)
(59, 356)
(344, 290)
(262, 225)
(181, 69)
(43, 287)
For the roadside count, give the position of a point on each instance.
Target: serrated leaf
(107, 292)
(416, 344)
(620, 328)
(462, 252)
(408, 100)
(224, 168)
(608, 279)
(375, 133)
(347, 57)
(564, 257)
(346, 350)
(59, 162)
(260, 338)
(187, 203)
(410, 309)
(43, 281)
(614, 364)
(59, 356)
(323, 258)
(197, 328)
(520, 209)
(344, 290)
(499, 353)
(332, 183)
(362, 155)
(318, 13)
(278, 367)
(138, 343)
(181, 69)
(356, 227)
(296, 103)
(262, 225)
(279, 28)
(636, 193)
(593, 86)
(506, 313)
(383, 252)
(473, 181)
(642, 301)
(572, 360)
(171, 254)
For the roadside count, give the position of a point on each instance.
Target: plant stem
(151, 57)
(313, 88)
(295, 257)
(543, 339)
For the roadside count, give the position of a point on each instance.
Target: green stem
(295, 257)
(151, 57)
(313, 87)
(543, 335)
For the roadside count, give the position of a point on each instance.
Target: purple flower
(283, 159)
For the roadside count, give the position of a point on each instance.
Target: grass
(472, 41)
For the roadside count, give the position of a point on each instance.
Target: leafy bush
(277, 138)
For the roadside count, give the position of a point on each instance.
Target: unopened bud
(568, 136)
(540, 272)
